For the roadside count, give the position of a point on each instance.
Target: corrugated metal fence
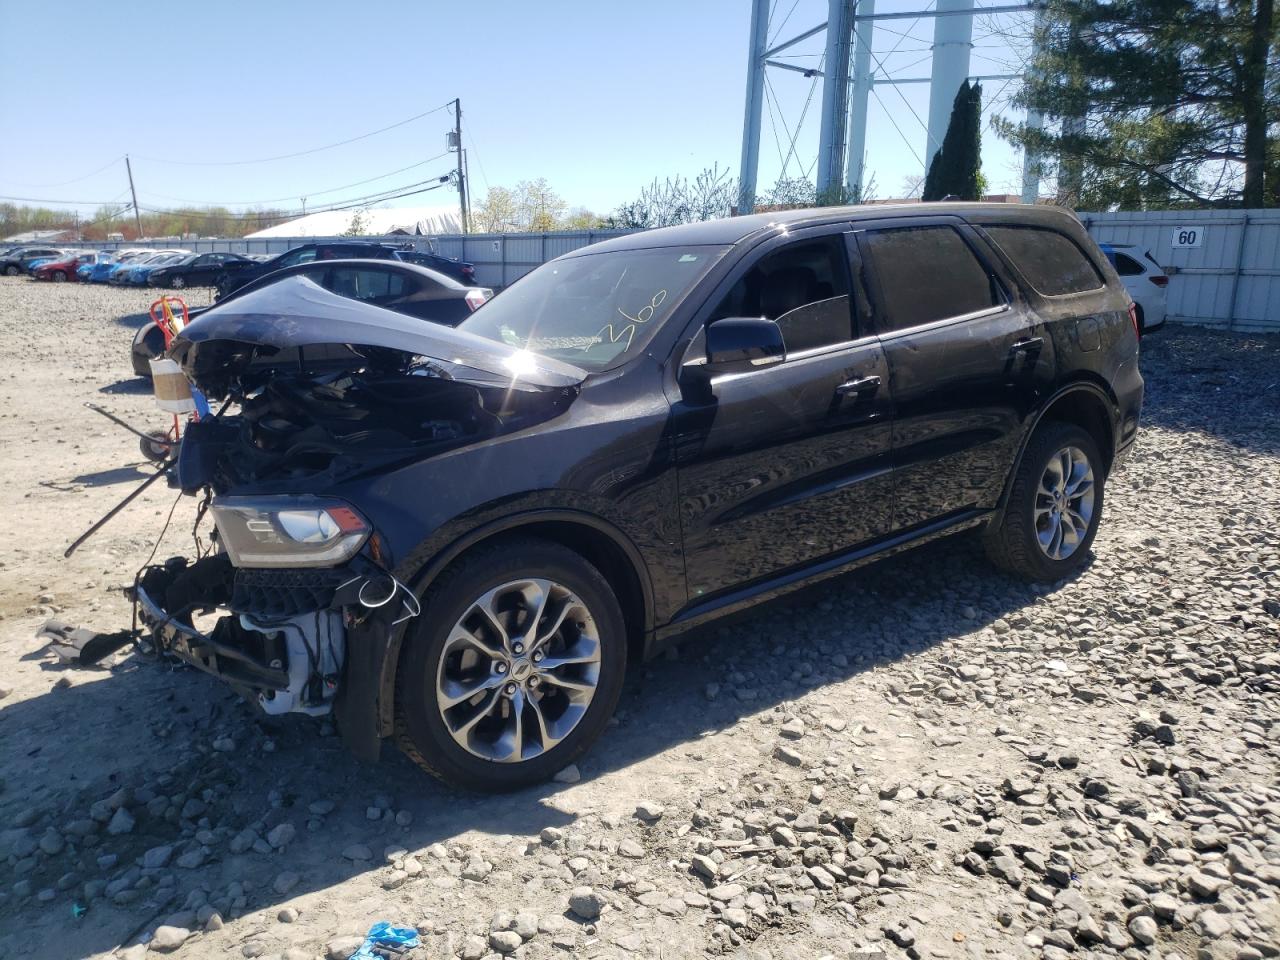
(1229, 278)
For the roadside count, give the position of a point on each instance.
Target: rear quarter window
(1051, 262)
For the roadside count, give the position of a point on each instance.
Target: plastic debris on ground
(80, 645)
(385, 941)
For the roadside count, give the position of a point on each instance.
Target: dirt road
(926, 758)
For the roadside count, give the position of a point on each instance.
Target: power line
(41, 186)
(84, 203)
(435, 184)
(300, 153)
(304, 193)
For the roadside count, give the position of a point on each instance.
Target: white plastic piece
(314, 643)
(173, 392)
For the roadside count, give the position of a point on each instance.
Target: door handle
(861, 384)
(1026, 346)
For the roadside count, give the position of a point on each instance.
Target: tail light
(1133, 317)
(477, 297)
(1159, 279)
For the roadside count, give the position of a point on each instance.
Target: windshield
(595, 310)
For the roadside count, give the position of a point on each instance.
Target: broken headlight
(288, 531)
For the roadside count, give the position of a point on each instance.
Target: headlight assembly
(299, 531)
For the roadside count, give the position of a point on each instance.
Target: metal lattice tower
(849, 77)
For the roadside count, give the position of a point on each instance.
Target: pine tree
(1156, 103)
(956, 168)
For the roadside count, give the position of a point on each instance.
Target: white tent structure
(414, 221)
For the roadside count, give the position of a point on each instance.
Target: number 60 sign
(1186, 238)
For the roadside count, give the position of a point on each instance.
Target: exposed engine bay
(291, 426)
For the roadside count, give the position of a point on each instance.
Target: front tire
(1054, 506)
(59, 277)
(178, 282)
(11, 271)
(513, 667)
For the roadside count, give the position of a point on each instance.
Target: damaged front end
(319, 396)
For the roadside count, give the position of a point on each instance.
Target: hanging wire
(303, 193)
(63, 183)
(300, 153)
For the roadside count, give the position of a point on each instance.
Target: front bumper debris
(205, 652)
(281, 637)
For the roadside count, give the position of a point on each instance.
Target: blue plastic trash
(383, 934)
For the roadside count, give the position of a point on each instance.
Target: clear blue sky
(597, 97)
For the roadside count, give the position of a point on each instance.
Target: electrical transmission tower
(848, 70)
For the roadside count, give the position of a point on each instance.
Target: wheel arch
(597, 540)
(1087, 404)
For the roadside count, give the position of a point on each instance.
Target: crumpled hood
(297, 312)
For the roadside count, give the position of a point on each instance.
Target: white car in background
(1144, 279)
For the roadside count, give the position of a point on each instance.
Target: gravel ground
(924, 759)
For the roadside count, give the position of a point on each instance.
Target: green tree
(1157, 103)
(496, 213)
(955, 169)
(357, 226)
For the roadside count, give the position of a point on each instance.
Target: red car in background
(62, 270)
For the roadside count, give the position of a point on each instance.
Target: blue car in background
(101, 271)
(137, 276)
(120, 274)
(41, 261)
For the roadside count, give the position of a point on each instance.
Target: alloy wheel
(518, 671)
(178, 282)
(1064, 503)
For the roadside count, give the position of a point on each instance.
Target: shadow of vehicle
(1222, 385)
(150, 727)
(134, 321)
(136, 386)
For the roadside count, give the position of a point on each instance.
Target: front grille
(285, 593)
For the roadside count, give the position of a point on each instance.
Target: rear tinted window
(1128, 267)
(927, 274)
(1051, 262)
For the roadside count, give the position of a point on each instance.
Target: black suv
(237, 273)
(460, 537)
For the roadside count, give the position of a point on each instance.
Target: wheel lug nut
(510, 690)
(534, 681)
(518, 648)
(537, 657)
(500, 667)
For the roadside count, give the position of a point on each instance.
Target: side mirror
(738, 344)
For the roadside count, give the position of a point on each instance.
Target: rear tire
(542, 699)
(1052, 515)
(11, 271)
(178, 282)
(59, 277)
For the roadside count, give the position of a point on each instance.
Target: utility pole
(462, 173)
(137, 217)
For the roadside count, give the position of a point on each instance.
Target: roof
(737, 229)
(415, 221)
(41, 236)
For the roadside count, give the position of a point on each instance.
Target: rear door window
(1052, 262)
(926, 274)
